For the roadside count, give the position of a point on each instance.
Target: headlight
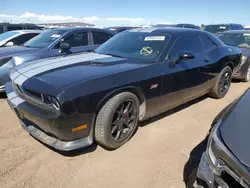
(214, 143)
(14, 61)
(4, 61)
(18, 60)
(10, 63)
(50, 101)
(243, 60)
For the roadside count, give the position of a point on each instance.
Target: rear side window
(208, 44)
(100, 37)
(186, 44)
(12, 28)
(23, 38)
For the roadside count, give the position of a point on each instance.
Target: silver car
(17, 37)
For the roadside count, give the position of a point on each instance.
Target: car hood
(63, 71)
(15, 50)
(235, 129)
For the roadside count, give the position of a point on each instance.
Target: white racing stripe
(11, 95)
(20, 76)
(48, 62)
(16, 101)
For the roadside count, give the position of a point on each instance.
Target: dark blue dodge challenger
(70, 102)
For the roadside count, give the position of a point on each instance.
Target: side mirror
(64, 46)
(186, 56)
(8, 44)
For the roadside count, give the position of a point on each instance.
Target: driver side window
(186, 44)
(75, 40)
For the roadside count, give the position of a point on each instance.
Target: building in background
(67, 24)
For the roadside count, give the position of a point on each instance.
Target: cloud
(41, 18)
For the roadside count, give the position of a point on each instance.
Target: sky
(128, 12)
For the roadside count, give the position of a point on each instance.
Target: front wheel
(117, 120)
(222, 84)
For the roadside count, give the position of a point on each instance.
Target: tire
(247, 75)
(113, 116)
(222, 84)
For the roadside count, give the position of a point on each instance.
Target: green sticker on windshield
(145, 51)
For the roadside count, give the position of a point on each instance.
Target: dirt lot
(154, 157)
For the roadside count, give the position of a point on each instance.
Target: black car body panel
(83, 83)
(230, 134)
(237, 123)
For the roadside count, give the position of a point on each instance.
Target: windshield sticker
(145, 51)
(222, 27)
(155, 38)
(55, 36)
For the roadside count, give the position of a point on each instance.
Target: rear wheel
(117, 120)
(222, 84)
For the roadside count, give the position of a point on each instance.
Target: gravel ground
(154, 157)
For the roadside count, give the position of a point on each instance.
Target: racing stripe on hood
(21, 75)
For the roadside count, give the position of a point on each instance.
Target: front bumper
(52, 130)
(213, 176)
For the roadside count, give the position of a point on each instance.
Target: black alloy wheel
(124, 121)
(116, 122)
(225, 82)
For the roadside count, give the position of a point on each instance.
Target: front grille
(33, 98)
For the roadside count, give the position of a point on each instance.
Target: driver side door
(181, 78)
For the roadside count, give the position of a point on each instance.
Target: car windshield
(215, 28)
(44, 39)
(7, 35)
(135, 45)
(241, 40)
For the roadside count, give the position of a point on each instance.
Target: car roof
(78, 28)
(118, 27)
(237, 31)
(174, 31)
(28, 31)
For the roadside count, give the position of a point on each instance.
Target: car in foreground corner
(70, 102)
(240, 39)
(51, 43)
(226, 161)
(17, 38)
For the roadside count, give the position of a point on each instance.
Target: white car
(17, 37)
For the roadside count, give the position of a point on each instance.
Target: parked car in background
(190, 26)
(216, 28)
(247, 28)
(51, 43)
(240, 39)
(18, 37)
(4, 27)
(226, 161)
(118, 29)
(67, 102)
